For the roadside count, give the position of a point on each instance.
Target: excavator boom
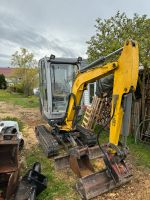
(93, 183)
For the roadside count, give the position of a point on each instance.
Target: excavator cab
(56, 79)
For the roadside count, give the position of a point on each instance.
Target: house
(6, 71)
(91, 88)
(89, 93)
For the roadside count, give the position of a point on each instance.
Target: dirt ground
(137, 189)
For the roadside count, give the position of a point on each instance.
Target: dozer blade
(97, 184)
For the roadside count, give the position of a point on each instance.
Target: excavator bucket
(9, 163)
(79, 159)
(113, 174)
(98, 173)
(98, 183)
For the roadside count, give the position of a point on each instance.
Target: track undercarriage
(54, 140)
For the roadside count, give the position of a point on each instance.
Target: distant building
(6, 71)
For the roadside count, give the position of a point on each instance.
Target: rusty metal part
(115, 174)
(82, 166)
(97, 184)
(99, 170)
(12, 184)
(8, 152)
(9, 165)
(78, 160)
(8, 184)
(94, 152)
(4, 179)
(63, 162)
(9, 158)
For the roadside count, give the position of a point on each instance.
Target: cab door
(43, 86)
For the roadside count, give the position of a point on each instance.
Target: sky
(59, 27)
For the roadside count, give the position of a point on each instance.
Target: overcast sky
(61, 27)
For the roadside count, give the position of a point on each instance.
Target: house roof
(6, 71)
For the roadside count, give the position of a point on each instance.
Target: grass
(19, 99)
(140, 152)
(61, 187)
(58, 186)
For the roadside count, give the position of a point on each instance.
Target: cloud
(14, 32)
(4, 56)
(61, 27)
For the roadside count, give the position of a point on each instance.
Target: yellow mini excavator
(116, 172)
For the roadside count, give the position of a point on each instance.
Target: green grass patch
(19, 99)
(140, 152)
(57, 186)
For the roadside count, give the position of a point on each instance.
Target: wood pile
(97, 113)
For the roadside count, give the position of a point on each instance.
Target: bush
(3, 83)
(19, 88)
(16, 88)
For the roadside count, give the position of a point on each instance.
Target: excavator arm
(125, 72)
(125, 82)
(79, 86)
(117, 171)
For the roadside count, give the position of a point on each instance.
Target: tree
(26, 72)
(112, 32)
(3, 83)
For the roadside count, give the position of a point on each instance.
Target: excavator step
(47, 141)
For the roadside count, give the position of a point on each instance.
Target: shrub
(3, 83)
